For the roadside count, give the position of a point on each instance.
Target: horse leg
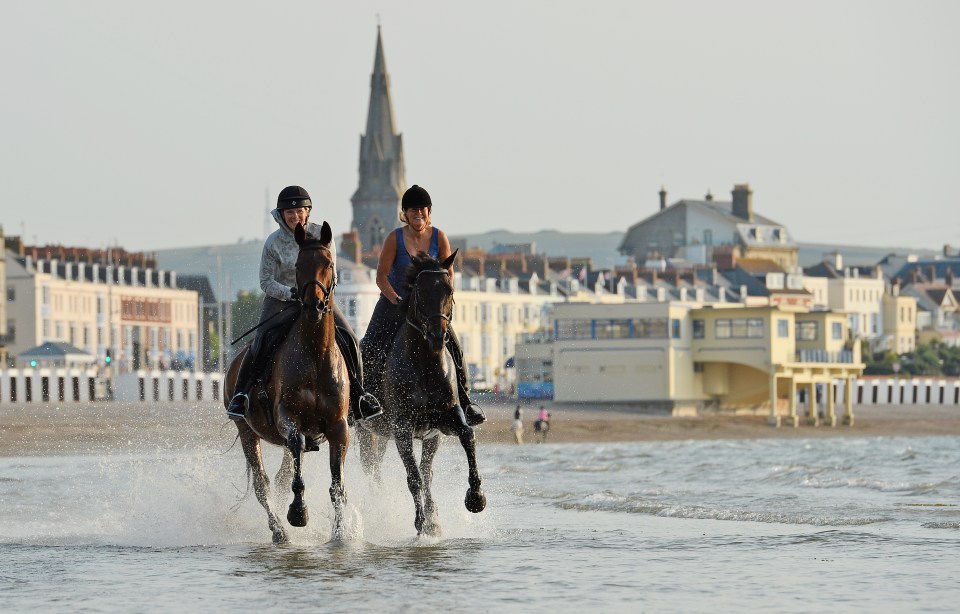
(475, 500)
(284, 479)
(261, 483)
(297, 512)
(371, 452)
(338, 439)
(431, 523)
(404, 441)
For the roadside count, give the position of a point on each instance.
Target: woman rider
(278, 278)
(416, 235)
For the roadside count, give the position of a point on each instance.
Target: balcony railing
(843, 357)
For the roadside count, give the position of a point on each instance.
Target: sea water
(789, 525)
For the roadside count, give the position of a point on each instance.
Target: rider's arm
(443, 249)
(269, 271)
(387, 255)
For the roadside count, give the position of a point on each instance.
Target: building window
(675, 328)
(699, 329)
(738, 328)
(11, 294)
(708, 237)
(573, 329)
(807, 331)
(612, 329)
(352, 308)
(783, 329)
(836, 329)
(650, 328)
(721, 329)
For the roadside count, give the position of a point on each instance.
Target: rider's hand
(293, 292)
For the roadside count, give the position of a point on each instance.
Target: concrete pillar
(793, 419)
(848, 402)
(773, 419)
(812, 418)
(831, 392)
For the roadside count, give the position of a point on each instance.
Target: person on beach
(517, 426)
(542, 424)
(416, 235)
(278, 278)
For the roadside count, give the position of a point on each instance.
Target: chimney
(743, 201)
(948, 278)
(932, 273)
(947, 251)
(663, 198)
(350, 246)
(895, 288)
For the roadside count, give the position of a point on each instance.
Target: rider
(416, 235)
(278, 278)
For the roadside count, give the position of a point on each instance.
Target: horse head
(430, 301)
(316, 276)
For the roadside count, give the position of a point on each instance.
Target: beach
(31, 430)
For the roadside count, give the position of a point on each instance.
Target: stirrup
(368, 407)
(237, 410)
(474, 414)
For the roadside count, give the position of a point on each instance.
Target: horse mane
(419, 262)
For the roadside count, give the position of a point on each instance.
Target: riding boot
(363, 404)
(237, 409)
(471, 411)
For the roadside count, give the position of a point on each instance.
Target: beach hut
(54, 354)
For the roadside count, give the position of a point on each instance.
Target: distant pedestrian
(542, 425)
(516, 413)
(517, 429)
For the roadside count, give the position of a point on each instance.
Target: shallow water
(773, 525)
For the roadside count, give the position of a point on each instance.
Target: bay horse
(419, 392)
(308, 389)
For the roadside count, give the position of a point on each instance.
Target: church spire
(376, 203)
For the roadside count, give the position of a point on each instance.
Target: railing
(842, 357)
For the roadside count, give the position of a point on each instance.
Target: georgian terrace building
(136, 313)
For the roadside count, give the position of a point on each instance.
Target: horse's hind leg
(261, 483)
(339, 439)
(297, 512)
(431, 524)
(404, 441)
(284, 478)
(371, 447)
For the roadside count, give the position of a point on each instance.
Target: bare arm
(443, 249)
(387, 255)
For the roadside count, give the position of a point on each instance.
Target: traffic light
(108, 358)
(33, 364)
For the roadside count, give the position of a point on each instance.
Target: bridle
(327, 292)
(415, 300)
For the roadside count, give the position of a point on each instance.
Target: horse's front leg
(404, 439)
(431, 521)
(372, 448)
(283, 480)
(261, 483)
(475, 500)
(339, 440)
(297, 513)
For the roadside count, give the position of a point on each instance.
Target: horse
(308, 392)
(419, 393)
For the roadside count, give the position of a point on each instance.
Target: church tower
(376, 203)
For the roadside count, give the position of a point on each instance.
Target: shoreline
(40, 430)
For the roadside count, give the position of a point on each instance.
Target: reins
(327, 293)
(415, 298)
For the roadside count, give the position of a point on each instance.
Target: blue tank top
(398, 274)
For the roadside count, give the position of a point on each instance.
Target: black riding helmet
(414, 198)
(293, 197)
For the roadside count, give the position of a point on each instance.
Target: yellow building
(687, 358)
(138, 314)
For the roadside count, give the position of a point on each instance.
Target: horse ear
(300, 233)
(325, 233)
(449, 261)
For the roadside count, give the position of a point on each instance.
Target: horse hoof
(475, 501)
(297, 517)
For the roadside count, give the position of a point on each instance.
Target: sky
(154, 125)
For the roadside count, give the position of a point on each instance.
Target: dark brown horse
(308, 390)
(419, 390)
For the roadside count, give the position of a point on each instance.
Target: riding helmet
(414, 198)
(293, 197)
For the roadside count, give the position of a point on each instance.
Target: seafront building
(115, 306)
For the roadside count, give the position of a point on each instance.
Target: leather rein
(327, 292)
(420, 327)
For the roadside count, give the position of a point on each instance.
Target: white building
(138, 314)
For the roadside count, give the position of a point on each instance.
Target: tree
(245, 312)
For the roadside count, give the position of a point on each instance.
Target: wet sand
(31, 430)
